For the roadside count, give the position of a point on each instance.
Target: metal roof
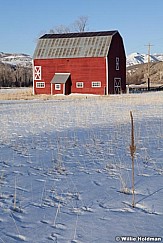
(60, 78)
(79, 34)
(73, 45)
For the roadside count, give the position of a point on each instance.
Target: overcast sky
(139, 21)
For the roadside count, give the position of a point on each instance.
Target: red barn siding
(83, 70)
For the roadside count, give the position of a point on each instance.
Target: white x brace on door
(37, 72)
(117, 85)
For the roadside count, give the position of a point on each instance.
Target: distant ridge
(15, 59)
(25, 60)
(137, 58)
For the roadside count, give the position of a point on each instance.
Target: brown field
(26, 94)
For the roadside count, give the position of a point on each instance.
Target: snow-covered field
(65, 169)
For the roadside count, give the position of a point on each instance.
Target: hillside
(15, 70)
(26, 60)
(16, 59)
(138, 74)
(138, 58)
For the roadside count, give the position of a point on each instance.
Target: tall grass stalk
(58, 210)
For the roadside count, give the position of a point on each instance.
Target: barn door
(117, 86)
(67, 89)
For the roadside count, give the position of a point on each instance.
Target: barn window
(96, 84)
(57, 86)
(117, 63)
(79, 85)
(40, 84)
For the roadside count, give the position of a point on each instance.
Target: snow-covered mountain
(26, 60)
(138, 58)
(16, 59)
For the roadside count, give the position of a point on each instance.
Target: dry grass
(17, 95)
(138, 74)
(27, 94)
(20, 94)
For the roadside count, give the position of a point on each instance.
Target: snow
(65, 169)
(138, 58)
(16, 59)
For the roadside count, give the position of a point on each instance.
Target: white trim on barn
(64, 91)
(37, 72)
(57, 86)
(63, 73)
(79, 85)
(107, 78)
(117, 63)
(51, 89)
(96, 84)
(40, 85)
(117, 86)
(33, 78)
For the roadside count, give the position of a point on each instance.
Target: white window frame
(117, 63)
(40, 85)
(96, 84)
(79, 85)
(37, 72)
(57, 86)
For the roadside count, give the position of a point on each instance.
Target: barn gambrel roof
(73, 45)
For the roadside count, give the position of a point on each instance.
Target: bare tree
(15, 76)
(79, 25)
(60, 29)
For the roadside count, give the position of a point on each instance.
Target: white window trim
(37, 72)
(96, 84)
(117, 64)
(117, 85)
(40, 85)
(57, 86)
(79, 85)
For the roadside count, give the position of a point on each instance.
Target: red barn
(88, 63)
